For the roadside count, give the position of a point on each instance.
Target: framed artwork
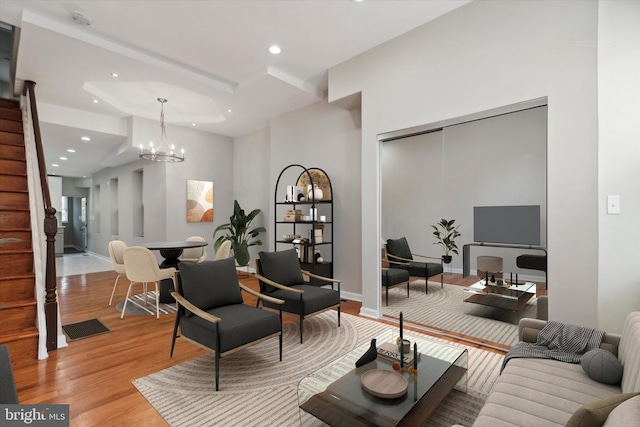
(199, 201)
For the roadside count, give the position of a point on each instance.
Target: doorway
(76, 237)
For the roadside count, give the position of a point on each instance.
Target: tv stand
(534, 262)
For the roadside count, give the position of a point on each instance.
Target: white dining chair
(142, 267)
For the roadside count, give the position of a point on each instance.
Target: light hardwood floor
(94, 375)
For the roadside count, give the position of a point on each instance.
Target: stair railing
(50, 227)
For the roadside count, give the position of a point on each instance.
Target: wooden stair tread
(18, 276)
(20, 334)
(7, 305)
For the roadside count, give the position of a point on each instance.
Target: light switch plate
(613, 205)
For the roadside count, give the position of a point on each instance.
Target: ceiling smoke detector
(81, 18)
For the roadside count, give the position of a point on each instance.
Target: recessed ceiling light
(81, 18)
(85, 138)
(114, 74)
(55, 165)
(95, 101)
(70, 150)
(193, 124)
(275, 49)
(229, 110)
(63, 158)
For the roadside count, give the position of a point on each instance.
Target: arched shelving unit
(306, 227)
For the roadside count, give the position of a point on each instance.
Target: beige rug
(443, 308)
(258, 390)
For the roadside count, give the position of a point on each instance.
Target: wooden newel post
(50, 298)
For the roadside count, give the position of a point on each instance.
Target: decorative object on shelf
(314, 193)
(290, 237)
(199, 201)
(445, 234)
(319, 178)
(293, 215)
(294, 193)
(369, 356)
(164, 152)
(241, 236)
(318, 258)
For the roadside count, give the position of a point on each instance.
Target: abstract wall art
(199, 201)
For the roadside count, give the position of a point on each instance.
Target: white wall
(251, 185)
(209, 157)
(481, 56)
(618, 155)
(326, 137)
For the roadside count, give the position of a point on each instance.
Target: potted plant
(445, 234)
(241, 236)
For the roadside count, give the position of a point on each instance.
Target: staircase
(17, 280)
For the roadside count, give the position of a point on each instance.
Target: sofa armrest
(542, 307)
(529, 323)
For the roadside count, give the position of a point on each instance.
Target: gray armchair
(392, 276)
(211, 312)
(280, 276)
(400, 256)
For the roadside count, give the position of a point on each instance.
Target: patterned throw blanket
(558, 341)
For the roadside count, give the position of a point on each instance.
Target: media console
(533, 262)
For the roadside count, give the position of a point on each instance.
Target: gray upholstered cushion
(314, 299)
(602, 366)
(282, 267)
(240, 324)
(399, 247)
(393, 276)
(210, 284)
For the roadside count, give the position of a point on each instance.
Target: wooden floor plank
(94, 375)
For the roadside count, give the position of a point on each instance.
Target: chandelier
(164, 152)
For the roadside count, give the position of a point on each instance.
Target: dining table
(171, 252)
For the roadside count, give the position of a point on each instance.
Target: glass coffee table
(501, 302)
(334, 394)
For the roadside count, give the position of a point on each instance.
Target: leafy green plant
(238, 232)
(445, 234)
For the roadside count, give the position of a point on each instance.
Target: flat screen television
(518, 225)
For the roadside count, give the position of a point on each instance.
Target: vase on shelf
(314, 193)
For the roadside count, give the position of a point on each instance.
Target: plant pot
(446, 259)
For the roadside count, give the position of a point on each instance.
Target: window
(64, 212)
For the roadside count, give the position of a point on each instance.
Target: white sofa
(542, 392)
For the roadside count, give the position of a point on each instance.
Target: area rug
(443, 309)
(84, 329)
(258, 390)
(149, 308)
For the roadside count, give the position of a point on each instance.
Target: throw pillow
(594, 414)
(399, 247)
(625, 414)
(210, 284)
(602, 366)
(282, 267)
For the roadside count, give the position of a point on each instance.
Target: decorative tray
(384, 384)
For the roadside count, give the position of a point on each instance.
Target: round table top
(183, 244)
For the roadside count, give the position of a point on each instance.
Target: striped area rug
(443, 308)
(258, 390)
